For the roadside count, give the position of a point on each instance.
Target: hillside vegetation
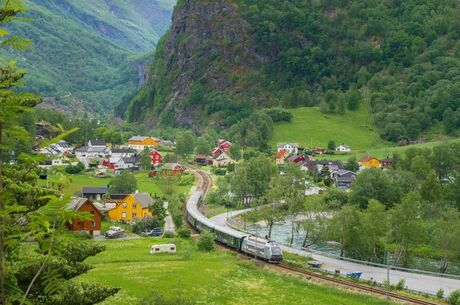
(90, 49)
(227, 58)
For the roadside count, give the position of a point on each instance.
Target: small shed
(165, 248)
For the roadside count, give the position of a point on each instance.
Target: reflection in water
(281, 233)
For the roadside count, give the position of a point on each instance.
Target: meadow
(312, 128)
(218, 277)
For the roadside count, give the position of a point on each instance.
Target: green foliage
(185, 143)
(148, 223)
(278, 114)
(184, 232)
(156, 298)
(169, 234)
(454, 297)
(124, 183)
(440, 294)
(74, 169)
(206, 242)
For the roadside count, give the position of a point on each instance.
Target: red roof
(201, 157)
(367, 158)
(281, 154)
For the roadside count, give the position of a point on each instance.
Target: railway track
(206, 185)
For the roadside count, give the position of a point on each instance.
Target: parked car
(114, 232)
(155, 232)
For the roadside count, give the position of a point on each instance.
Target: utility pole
(388, 274)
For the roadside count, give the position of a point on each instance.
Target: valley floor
(212, 278)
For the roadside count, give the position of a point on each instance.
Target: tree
(353, 99)
(420, 167)
(202, 146)
(447, 237)
(125, 183)
(331, 145)
(406, 227)
(145, 159)
(314, 225)
(375, 225)
(443, 162)
(432, 195)
(235, 152)
(185, 143)
(206, 242)
(352, 164)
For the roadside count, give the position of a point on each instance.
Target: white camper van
(165, 248)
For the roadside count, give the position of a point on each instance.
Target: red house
(319, 151)
(216, 152)
(156, 157)
(225, 145)
(92, 225)
(172, 169)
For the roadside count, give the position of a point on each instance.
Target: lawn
(211, 278)
(312, 128)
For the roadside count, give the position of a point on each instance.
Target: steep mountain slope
(90, 49)
(222, 59)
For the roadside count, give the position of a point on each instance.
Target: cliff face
(207, 49)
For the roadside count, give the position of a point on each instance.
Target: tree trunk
(270, 227)
(444, 262)
(341, 247)
(2, 228)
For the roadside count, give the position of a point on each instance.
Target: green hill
(90, 49)
(312, 128)
(235, 56)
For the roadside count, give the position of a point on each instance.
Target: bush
(279, 114)
(184, 232)
(401, 285)
(206, 242)
(440, 294)
(454, 298)
(75, 169)
(147, 224)
(80, 294)
(169, 234)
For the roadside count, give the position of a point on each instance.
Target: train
(250, 245)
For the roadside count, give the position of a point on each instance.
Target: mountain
(220, 60)
(93, 50)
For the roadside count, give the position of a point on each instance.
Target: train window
(276, 250)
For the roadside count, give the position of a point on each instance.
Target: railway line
(206, 184)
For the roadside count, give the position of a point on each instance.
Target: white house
(123, 152)
(222, 160)
(292, 148)
(343, 148)
(59, 149)
(92, 152)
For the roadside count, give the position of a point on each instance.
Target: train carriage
(229, 237)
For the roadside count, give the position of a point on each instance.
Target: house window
(124, 205)
(134, 215)
(134, 206)
(123, 215)
(93, 224)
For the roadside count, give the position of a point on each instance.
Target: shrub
(206, 242)
(74, 169)
(454, 298)
(440, 294)
(279, 114)
(81, 294)
(147, 224)
(401, 285)
(184, 232)
(169, 234)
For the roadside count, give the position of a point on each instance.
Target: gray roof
(295, 145)
(138, 138)
(144, 199)
(97, 142)
(167, 143)
(292, 157)
(123, 151)
(76, 203)
(131, 160)
(94, 190)
(95, 149)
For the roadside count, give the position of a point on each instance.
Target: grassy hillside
(211, 278)
(89, 49)
(312, 128)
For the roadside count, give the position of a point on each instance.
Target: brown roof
(367, 158)
(281, 154)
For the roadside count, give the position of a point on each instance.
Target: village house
(97, 143)
(131, 208)
(167, 143)
(92, 225)
(123, 152)
(386, 163)
(368, 162)
(317, 165)
(172, 169)
(343, 148)
(156, 157)
(140, 142)
(92, 152)
(281, 157)
(319, 151)
(61, 148)
(94, 193)
(121, 163)
(201, 159)
(222, 160)
(343, 178)
(223, 147)
(295, 159)
(292, 148)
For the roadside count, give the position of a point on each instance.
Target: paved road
(418, 282)
(169, 223)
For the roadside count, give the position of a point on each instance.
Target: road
(418, 282)
(169, 223)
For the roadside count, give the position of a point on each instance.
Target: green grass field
(312, 128)
(211, 278)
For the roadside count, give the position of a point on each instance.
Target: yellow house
(281, 157)
(138, 142)
(132, 208)
(369, 162)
